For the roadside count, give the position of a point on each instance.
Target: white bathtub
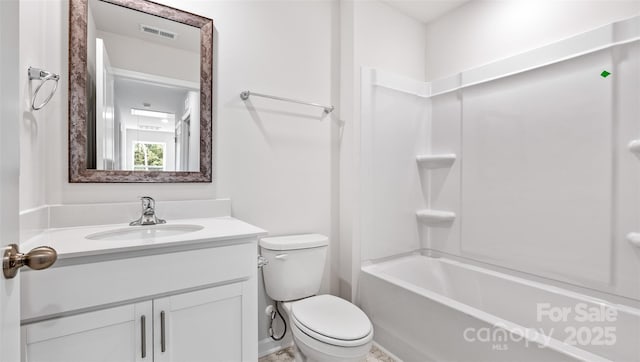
(438, 309)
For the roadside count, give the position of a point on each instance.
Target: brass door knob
(38, 258)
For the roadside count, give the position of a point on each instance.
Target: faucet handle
(148, 202)
(148, 216)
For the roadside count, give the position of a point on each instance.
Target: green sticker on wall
(605, 74)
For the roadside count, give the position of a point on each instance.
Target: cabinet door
(109, 335)
(205, 325)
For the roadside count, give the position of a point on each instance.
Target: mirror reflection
(143, 91)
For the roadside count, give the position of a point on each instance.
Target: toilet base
(308, 349)
(299, 356)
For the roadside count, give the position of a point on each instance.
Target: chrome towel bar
(246, 94)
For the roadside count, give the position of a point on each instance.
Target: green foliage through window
(148, 156)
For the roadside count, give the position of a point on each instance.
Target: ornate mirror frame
(78, 172)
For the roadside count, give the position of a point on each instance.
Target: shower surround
(521, 166)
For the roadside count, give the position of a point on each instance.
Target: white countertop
(72, 243)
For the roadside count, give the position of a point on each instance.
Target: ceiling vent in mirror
(158, 32)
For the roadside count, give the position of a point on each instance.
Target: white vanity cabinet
(204, 325)
(187, 302)
(111, 334)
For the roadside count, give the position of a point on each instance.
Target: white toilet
(324, 327)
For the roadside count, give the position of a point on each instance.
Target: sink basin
(145, 232)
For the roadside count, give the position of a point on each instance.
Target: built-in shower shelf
(634, 146)
(436, 161)
(435, 217)
(634, 238)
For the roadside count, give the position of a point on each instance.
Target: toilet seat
(332, 320)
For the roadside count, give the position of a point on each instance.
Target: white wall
(372, 35)
(272, 159)
(483, 31)
(194, 131)
(395, 129)
(150, 58)
(34, 24)
(387, 39)
(255, 50)
(544, 183)
(132, 94)
(275, 160)
(91, 44)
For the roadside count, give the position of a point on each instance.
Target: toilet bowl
(324, 327)
(327, 328)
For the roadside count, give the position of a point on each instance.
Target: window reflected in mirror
(143, 91)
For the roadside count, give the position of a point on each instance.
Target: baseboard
(386, 351)
(268, 346)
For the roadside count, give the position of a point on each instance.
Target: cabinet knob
(38, 258)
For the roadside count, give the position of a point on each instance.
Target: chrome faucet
(148, 216)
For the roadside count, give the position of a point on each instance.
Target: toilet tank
(295, 265)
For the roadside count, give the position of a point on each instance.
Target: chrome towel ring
(44, 76)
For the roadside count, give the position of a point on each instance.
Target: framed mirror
(140, 93)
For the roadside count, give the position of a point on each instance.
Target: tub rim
(373, 269)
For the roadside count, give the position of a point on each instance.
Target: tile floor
(286, 355)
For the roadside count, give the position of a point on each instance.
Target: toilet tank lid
(292, 242)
